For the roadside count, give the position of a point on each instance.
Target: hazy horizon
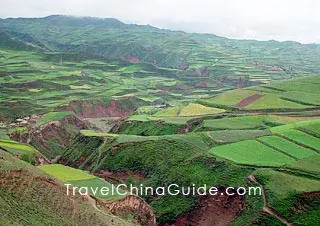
(248, 19)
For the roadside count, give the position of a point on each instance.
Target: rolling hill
(97, 102)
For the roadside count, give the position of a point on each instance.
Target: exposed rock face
(50, 137)
(95, 110)
(132, 204)
(132, 59)
(211, 211)
(50, 129)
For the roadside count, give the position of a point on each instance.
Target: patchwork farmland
(97, 103)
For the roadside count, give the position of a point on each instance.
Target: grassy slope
(36, 83)
(174, 159)
(282, 191)
(27, 200)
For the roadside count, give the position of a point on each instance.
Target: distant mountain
(113, 39)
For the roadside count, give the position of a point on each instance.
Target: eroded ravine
(266, 208)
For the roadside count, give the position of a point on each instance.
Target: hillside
(110, 38)
(31, 197)
(97, 102)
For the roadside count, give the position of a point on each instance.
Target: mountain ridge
(53, 17)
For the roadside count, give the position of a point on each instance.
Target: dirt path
(93, 202)
(266, 208)
(73, 209)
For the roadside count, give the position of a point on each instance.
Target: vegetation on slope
(31, 197)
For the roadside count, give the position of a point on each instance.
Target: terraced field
(251, 152)
(53, 116)
(287, 147)
(303, 97)
(79, 178)
(136, 104)
(295, 125)
(228, 136)
(310, 164)
(285, 95)
(27, 152)
(303, 138)
(93, 133)
(192, 109)
(230, 98)
(312, 128)
(273, 101)
(198, 109)
(245, 122)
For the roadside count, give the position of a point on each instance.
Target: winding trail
(266, 208)
(93, 202)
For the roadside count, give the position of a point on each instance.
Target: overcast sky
(297, 20)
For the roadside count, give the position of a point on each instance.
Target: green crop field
(198, 109)
(298, 85)
(302, 138)
(273, 101)
(179, 120)
(138, 104)
(257, 122)
(192, 109)
(230, 98)
(251, 152)
(226, 136)
(169, 112)
(92, 133)
(173, 120)
(13, 145)
(65, 173)
(79, 178)
(27, 152)
(53, 116)
(288, 147)
(295, 125)
(310, 164)
(278, 119)
(245, 122)
(301, 97)
(313, 128)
